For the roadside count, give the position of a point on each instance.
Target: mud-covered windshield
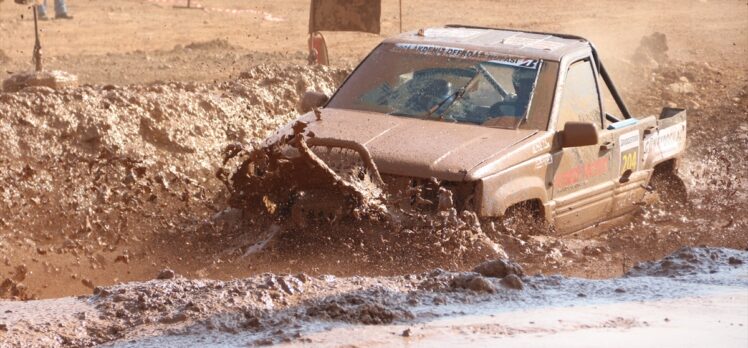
(441, 83)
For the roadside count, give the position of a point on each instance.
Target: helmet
(523, 79)
(520, 76)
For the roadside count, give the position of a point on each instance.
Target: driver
(522, 79)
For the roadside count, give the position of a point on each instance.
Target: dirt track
(113, 182)
(137, 41)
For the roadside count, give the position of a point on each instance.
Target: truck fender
(523, 182)
(668, 141)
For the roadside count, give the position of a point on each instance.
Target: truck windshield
(442, 83)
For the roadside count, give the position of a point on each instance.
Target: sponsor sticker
(629, 147)
(461, 53)
(582, 172)
(629, 140)
(543, 161)
(540, 146)
(668, 141)
(451, 33)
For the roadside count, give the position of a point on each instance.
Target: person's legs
(61, 10)
(41, 10)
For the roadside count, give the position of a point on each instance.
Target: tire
(524, 219)
(671, 189)
(513, 230)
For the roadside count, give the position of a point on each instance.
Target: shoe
(43, 18)
(63, 16)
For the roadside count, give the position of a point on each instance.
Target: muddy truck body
(471, 119)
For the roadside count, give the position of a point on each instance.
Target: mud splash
(104, 184)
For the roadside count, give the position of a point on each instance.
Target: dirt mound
(107, 175)
(690, 261)
(209, 45)
(364, 308)
(269, 305)
(54, 79)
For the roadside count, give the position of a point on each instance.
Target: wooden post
(401, 15)
(37, 44)
(189, 6)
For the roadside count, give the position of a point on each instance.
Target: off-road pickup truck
(483, 119)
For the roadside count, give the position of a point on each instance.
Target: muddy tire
(670, 188)
(513, 230)
(524, 219)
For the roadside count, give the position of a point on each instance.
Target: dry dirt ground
(114, 181)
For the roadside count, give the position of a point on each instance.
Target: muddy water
(420, 309)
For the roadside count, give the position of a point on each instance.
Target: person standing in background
(61, 10)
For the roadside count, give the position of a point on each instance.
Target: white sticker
(669, 141)
(540, 146)
(452, 33)
(628, 140)
(629, 151)
(543, 161)
(538, 44)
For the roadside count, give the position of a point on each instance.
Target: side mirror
(311, 100)
(576, 134)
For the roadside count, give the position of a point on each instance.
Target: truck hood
(412, 147)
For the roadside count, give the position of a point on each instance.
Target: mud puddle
(417, 308)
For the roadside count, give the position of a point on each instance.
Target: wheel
(521, 219)
(671, 189)
(524, 219)
(513, 230)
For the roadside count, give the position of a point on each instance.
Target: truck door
(630, 174)
(583, 178)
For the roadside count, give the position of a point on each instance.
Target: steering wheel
(428, 94)
(506, 107)
(503, 114)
